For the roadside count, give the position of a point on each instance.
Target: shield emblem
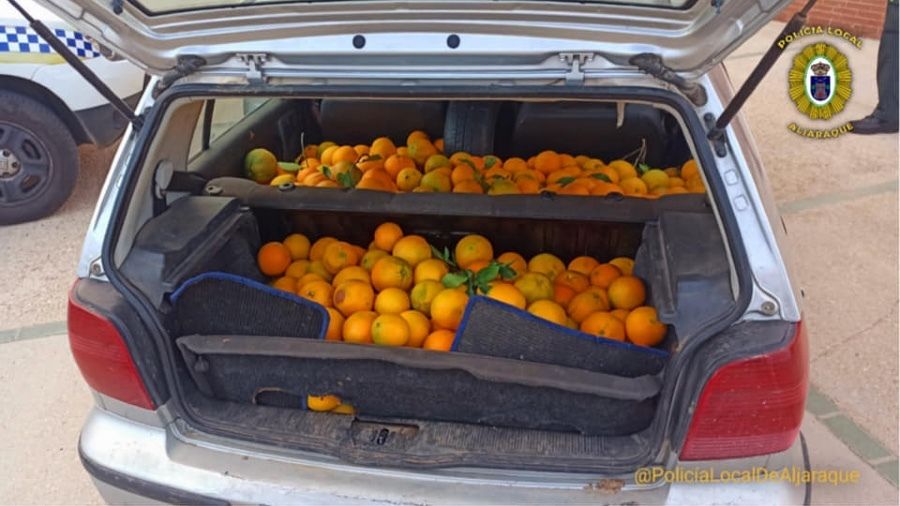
(820, 87)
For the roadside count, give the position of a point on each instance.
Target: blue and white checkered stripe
(22, 39)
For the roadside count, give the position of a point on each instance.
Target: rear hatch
(689, 36)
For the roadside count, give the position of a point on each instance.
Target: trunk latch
(254, 63)
(576, 62)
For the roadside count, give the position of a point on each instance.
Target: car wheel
(38, 159)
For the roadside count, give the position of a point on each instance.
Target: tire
(470, 127)
(38, 159)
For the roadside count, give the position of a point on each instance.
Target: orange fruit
(461, 158)
(677, 190)
(695, 185)
(610, 174)
(468, 186)
(358, 327)
(344, 154)
(317, 291)
(318, 267)
(547, 162)
(567, 160)
(420, 149)
(535, 286)
(326, 155)
(507, 293)
(567, 172)
(546, 264)
(563, 294)
(587, 302)
(643, 328)
(353, 296)
(273, 259)
(437, 181)
(633, 186)
(309, 277)
(675, 181)
(528, 186)
(317, 251)
(361, 149)
(439, 144)
(574, 280)
(297, 269)
(412, 248)
(496, 172)
(433, 268)
(285, 283)
(448, 307)
(344, 409)
(439, 340)
(339, 255)
(390, 330)
(604, 274)
(396, 163)
(419, 327)
(437, 161)
(391, 301)
(462, 173)
(626, 292)
(473, 248)
(408, 179)
(353, 272)
(548, 310)
(689, 170)
(604, 324)
(298, 246)
(621, 314)
(478, 265)
(583, 264)
(327, 184)
(422, 295)
(322, 402)
(625, 264)
(603, 188)
(375, 184)
(515, 164)
(386, 235)
(335, 324)
(515, 261)
(391, 271)
(624, 168)
(372, 256)
(503, 187)
(382, 147)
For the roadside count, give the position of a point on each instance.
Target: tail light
(103, 357)
(752, 406)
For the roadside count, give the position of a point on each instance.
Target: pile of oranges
(422, 166)
(400, 291)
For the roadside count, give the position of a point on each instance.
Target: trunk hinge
(254, 63)
(575, 61)
(63, 51)
(652, 64)
(187, 65)
(717, 132)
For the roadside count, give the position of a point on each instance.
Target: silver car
(201, 373)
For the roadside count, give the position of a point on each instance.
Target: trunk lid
(689, 35)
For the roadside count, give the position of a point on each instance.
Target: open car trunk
(516, 391)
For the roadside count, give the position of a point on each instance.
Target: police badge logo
(820, 81)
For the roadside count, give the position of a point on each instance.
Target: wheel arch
(36, 91)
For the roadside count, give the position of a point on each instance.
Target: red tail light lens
(103, 358)
(752, 406)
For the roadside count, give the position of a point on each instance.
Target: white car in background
(47, 109)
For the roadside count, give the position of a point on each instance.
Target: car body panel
(178, 462)
(691, 40)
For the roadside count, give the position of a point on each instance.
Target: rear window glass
(165, 6)
(225, 113)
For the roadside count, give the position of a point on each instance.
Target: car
(209, 382)
(48, 110)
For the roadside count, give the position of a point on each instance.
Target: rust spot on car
(606, 486)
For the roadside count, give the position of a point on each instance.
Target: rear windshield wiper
(79, 66)
(717, 132)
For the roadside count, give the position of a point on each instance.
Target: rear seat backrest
(589, 129)
(361, 121)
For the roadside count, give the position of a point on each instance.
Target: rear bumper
(135, 463)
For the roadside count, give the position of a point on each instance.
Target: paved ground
(839, 200)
